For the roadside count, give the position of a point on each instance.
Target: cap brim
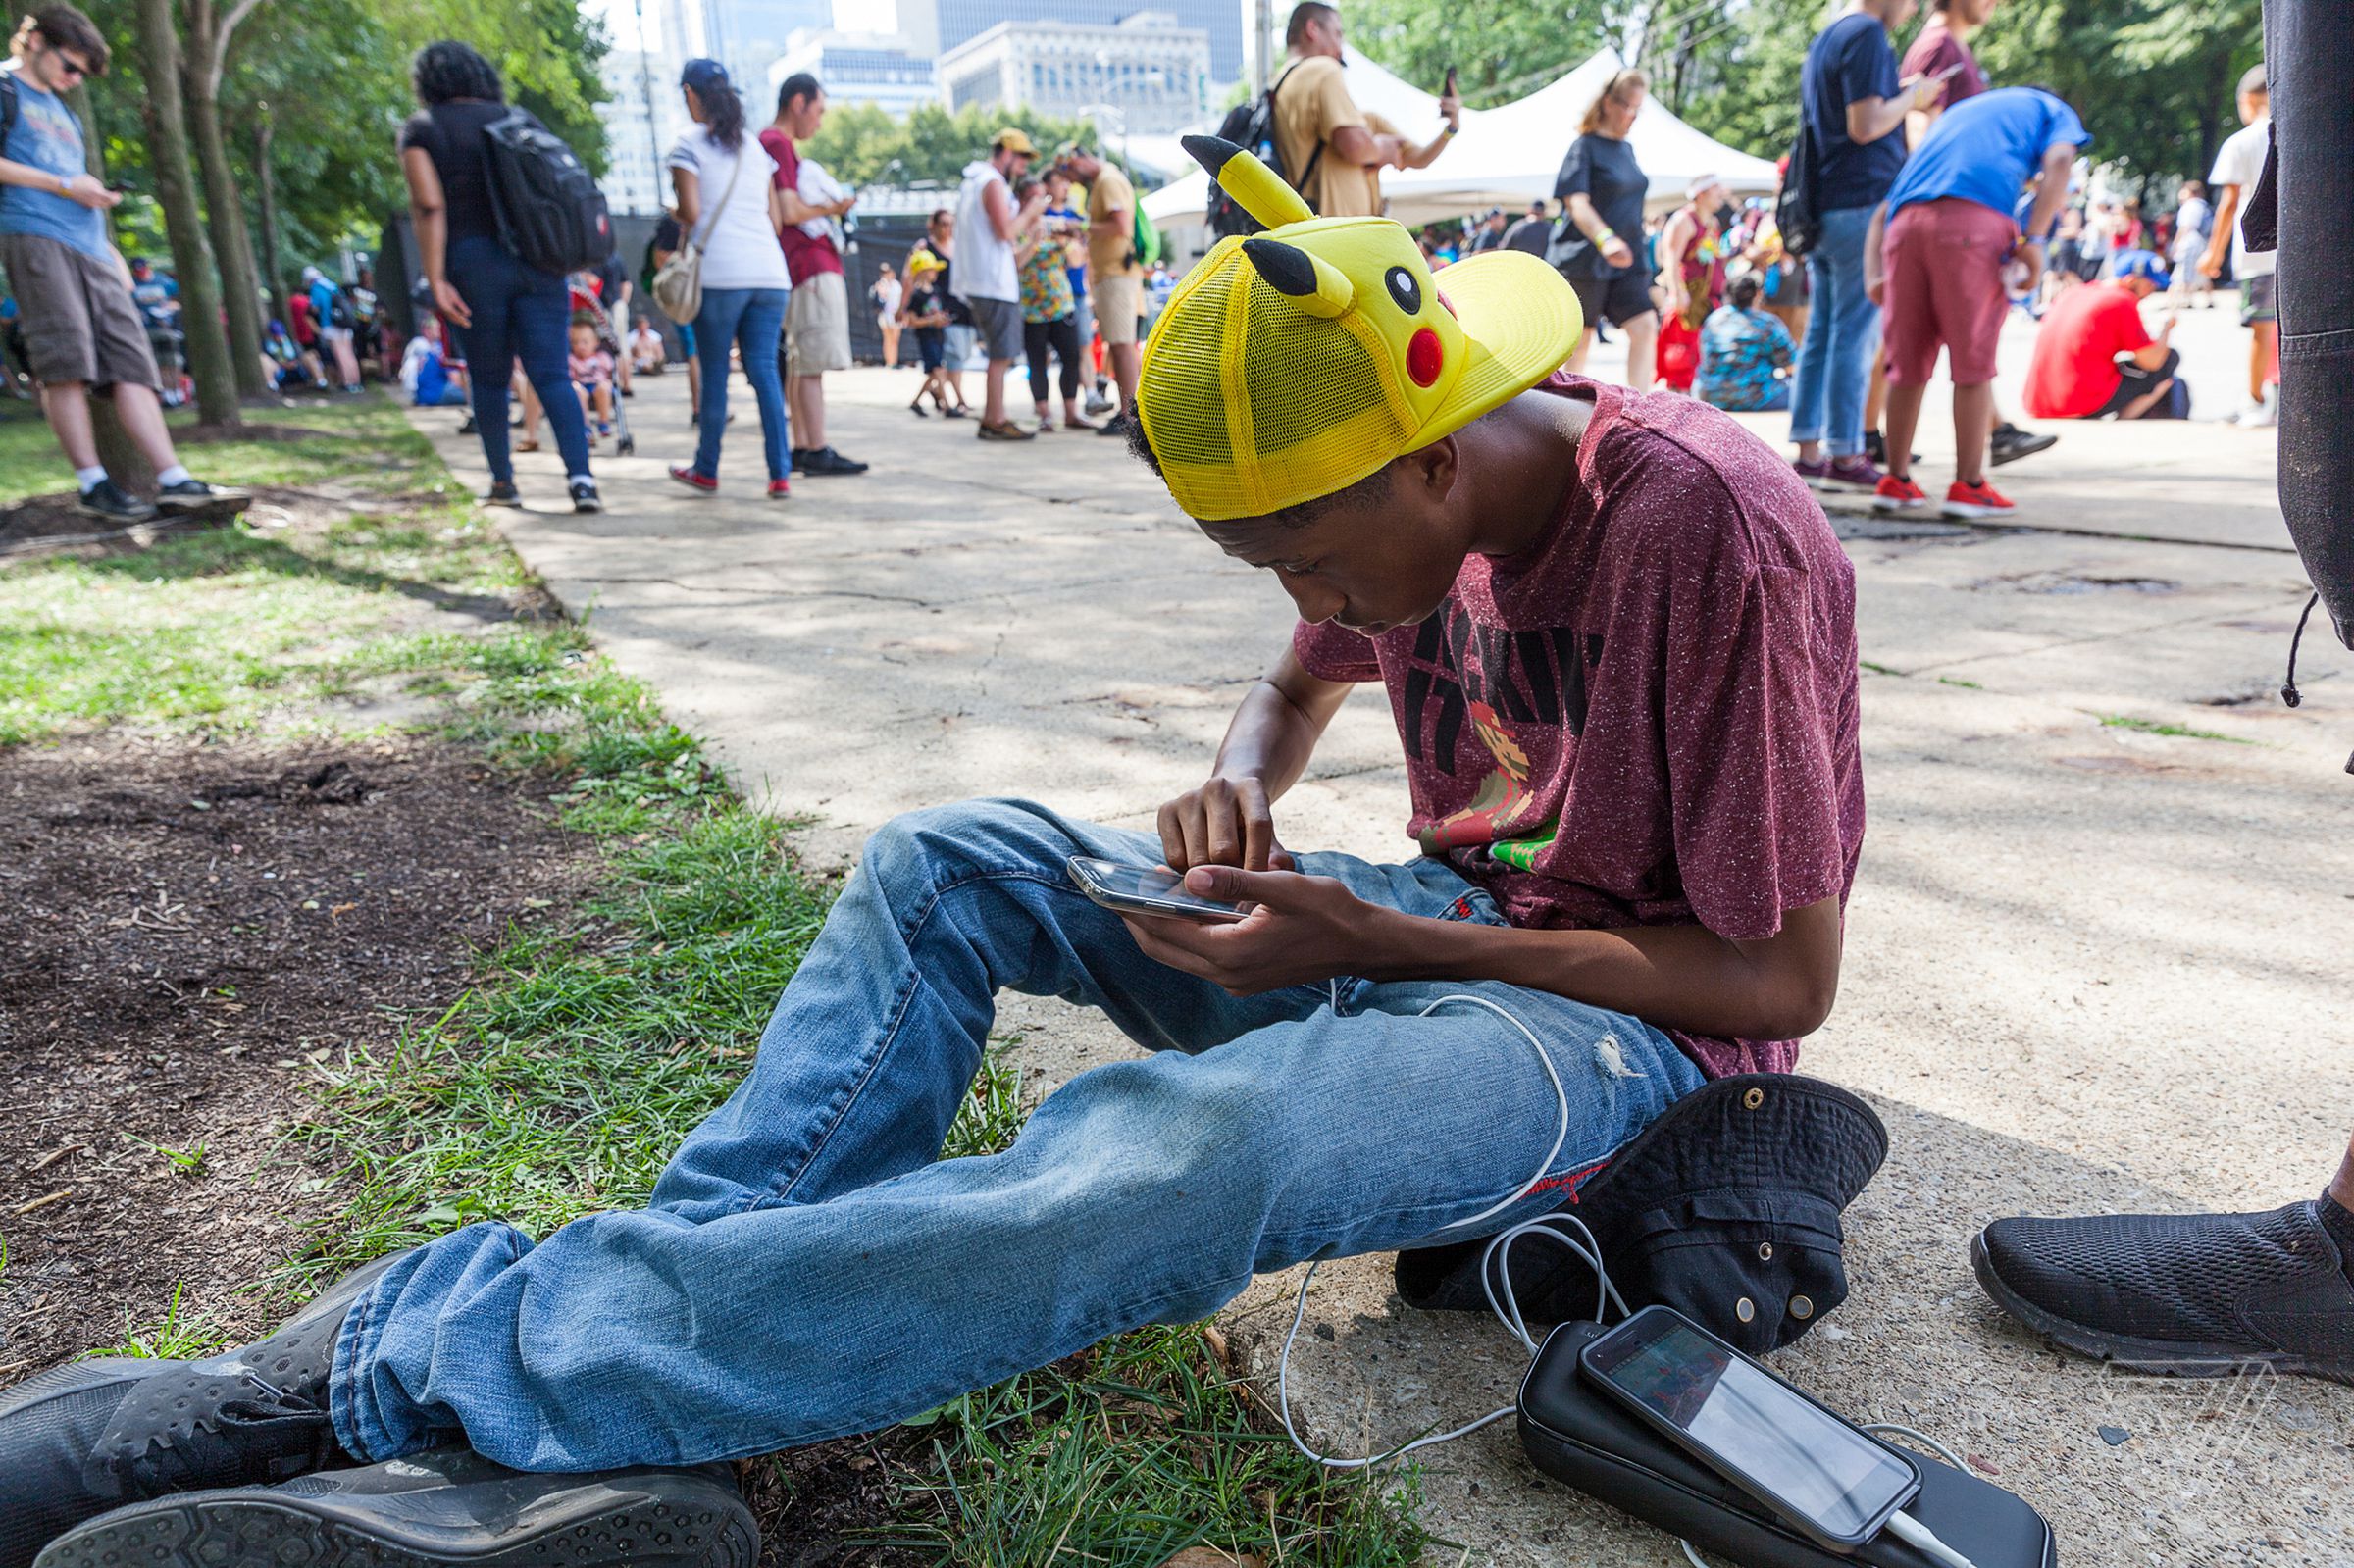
(1520, 320)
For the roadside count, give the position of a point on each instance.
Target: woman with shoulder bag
(1602, 190)
(729, 215)
(503, 308)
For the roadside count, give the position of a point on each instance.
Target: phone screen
(1822, 1468)
(1134, 885)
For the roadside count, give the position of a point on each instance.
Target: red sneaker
(1976, 500)
(779, 490)
(1898, 496)
(688, 476)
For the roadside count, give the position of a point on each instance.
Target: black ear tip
(1210, 152)
(1286, 268)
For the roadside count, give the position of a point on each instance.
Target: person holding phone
(1333, 150)
(82, 327)
(1630, 865)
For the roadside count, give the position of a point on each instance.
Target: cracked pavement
(2098, 947)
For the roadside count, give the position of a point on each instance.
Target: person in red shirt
(817, 319)
(2094, 357)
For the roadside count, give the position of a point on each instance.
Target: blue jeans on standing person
(808, 1266)
(519, 313)
(1834, 362)
(754, 319)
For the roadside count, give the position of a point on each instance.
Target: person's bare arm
(2051, 189)
(86, 187)
(997, 204)
(2219, 242)
(429, 216)
(689, 187)
(1870, 119)
(1583, 214)
(1875, 246)
(1672, 267)
(1357, 145)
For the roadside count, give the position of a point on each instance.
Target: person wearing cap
(1116, 278)
(926, 312)
(987, 225)
(1936, 258)
(728, 204)
(1692, 274)
(1619, 642)
(2094, 357)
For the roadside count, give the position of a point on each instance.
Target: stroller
(585, 305)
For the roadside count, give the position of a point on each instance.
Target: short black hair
(1743, 291)
(1373, 487)
(66, 28)
(449, 70)
(1306, 11)
(801, 85)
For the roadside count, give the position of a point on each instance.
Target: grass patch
(564, 1078)
(2155, 727)
(1877, 669)
(1957, 681)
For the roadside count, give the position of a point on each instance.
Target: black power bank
(1576, 1434)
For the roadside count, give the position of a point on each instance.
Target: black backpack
(1251, 125)
(1796, 211)
(551, 212)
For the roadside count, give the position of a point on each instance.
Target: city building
(949, 24)
(635, 139)
(748, 36)
(1152, 72)
(857, 68)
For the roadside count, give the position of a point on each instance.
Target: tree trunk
(121, 456)
(224, 209)
(176, 191)
(274, 277)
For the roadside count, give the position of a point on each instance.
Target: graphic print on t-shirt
(1494, 678)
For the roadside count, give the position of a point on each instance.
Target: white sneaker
(2261, 416)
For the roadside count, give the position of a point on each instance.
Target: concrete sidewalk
(2091, 966)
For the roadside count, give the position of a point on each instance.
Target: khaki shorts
(817, 325)
(1118, 302)
(78, 321)
(999, 324)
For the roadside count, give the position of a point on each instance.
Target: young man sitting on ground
(2094, 356)
(1618, 638)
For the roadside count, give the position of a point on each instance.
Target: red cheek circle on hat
(1425, 357)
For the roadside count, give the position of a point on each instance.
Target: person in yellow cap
(1620, 644)
(989, 225)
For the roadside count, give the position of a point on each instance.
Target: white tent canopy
(1506, 157)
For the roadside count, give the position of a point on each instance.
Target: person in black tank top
(502, 307)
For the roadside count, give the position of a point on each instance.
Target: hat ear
(1256, 188)
(1313, 283)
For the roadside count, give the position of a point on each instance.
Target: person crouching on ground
(1620, 641)
(2094, 357)
(82, 331)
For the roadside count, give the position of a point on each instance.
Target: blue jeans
(1834, 362)
(753, 318)
(808, 1265)
(519, 313)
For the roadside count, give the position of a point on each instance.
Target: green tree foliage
(861, 143)
(1501, 49)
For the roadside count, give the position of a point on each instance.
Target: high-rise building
(1151, 72)
(954, 21)
(748, 36)
(857, 67)
(635, 139)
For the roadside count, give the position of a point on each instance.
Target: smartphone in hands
(1146, 891)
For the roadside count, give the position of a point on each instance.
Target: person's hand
(2030, 252)
(1451, 109)
(1876, 286)
(1304, 929)
(1227, 822)
(841, 207)
(452, 305)
(1614, 251)
(2212, 264)
(1926, 90)
(1388, 151)
(87, 189)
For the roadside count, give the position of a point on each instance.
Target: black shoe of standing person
(86, 1437)
(108, 502)
(1116, 425)
(194, 495)
(2195, 1295)
(448, 1506)
(502, 493)
(584, 497)
(2010, 444)
(824, 460)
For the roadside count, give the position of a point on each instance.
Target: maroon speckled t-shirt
(1648, 717)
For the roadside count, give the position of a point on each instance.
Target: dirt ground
(183, 929)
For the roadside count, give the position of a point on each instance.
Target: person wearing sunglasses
(82, 331)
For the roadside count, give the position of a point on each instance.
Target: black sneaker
(584, 497)
(2010, 444)
(1116, 425)
(108, 502)
(825, 460)
(449, 1507)
(2193, 1294)
(1876, 448)
(194, 495)
(502, 493)
(88, 1437)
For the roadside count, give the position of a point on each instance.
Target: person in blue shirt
(337, 338)
(1744, 354)
(1937, 255)
(82, 327)
(1853, 108)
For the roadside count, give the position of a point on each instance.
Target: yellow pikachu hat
(1292, 364)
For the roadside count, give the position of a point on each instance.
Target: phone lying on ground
(1796, 1456)
(1146, 891)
